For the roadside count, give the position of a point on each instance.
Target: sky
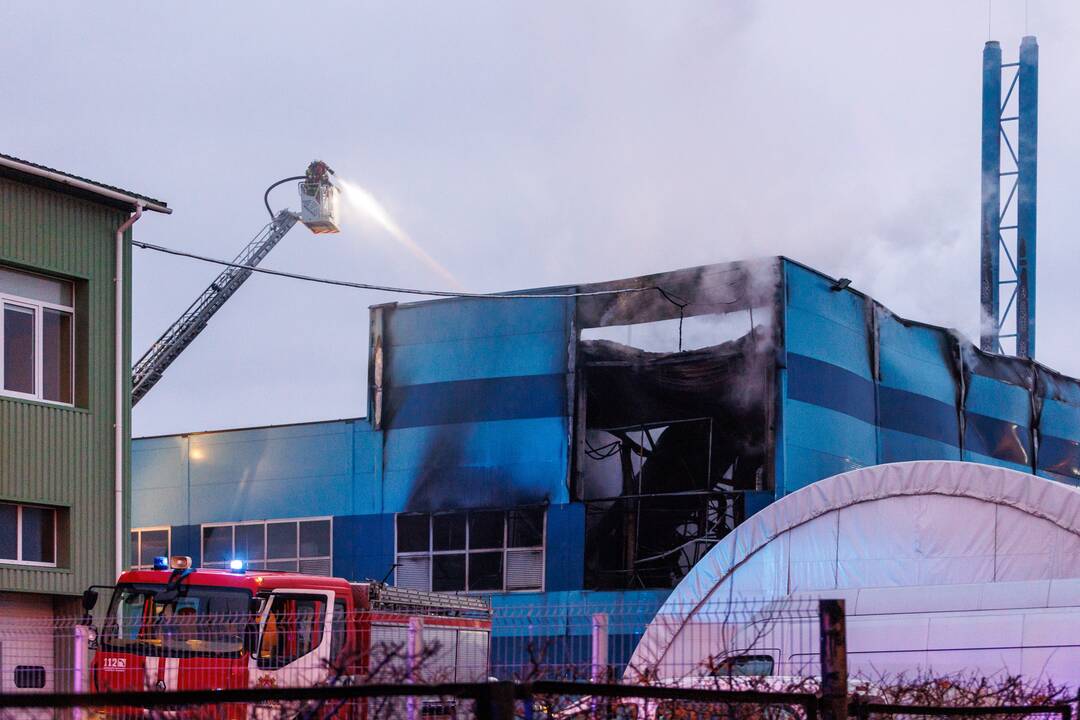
(525, 144)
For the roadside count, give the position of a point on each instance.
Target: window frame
(138, 548)
(224, 565)
(19, 536)
(38, 307)
(468, 551)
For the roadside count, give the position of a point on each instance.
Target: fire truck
(178, 628)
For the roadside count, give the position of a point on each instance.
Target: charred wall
(673, 423)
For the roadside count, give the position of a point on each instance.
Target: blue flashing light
(161, 562)
(236, 565)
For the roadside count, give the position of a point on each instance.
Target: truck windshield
(203, 621)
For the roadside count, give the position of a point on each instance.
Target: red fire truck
(177, 628)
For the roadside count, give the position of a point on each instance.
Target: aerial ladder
(318, 211)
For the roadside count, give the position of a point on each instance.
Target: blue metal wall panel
(917, 392)
(439, 321)
(515, 462)
(828, 400)
(820, 442)
(494, 356)
(289, 471)
(564, 561)
(159, 472)
(363, 546)
(475, 404)
(998, 422)
(471, 401)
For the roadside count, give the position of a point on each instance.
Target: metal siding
(290, 471)
(159, 493)
(476, 408)
(564, 560)
(54, 455)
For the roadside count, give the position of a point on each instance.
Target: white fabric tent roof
(908, 524)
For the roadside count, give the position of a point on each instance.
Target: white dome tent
(944, 567)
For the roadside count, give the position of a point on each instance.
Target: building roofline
(271, 426)
(60, 180)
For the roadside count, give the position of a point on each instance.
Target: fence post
(599, 647)
(495, 701)
(81, 665)
(834, 675)
(414, 647)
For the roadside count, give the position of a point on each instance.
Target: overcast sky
(532, 143)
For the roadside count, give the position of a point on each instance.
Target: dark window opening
(448, 531)
(413, 533)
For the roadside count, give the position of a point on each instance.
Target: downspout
(119, 382)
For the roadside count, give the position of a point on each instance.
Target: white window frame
(138, 547)
(19, 535)
(38, 307)
(468, 551)
(297, 558)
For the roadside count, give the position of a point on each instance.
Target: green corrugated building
(64, 460)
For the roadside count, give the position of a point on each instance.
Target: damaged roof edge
(630, 282)
(957, 334)
(79, 186)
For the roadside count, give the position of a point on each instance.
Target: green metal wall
(63, 456)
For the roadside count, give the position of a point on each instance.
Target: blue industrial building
(585, 451)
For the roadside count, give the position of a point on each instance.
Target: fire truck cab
(177, 628)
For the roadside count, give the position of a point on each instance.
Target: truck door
(294, 639)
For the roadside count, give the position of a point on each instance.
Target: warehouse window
(147, 544)
(27, 534)
(475, 551)
(287, 545)
(36, 337)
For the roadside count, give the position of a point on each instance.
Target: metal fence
(744, 661)
(317, 644)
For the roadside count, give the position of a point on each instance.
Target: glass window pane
(134, 557)
(448, 532)
(281, 540)
(18, 349)
(448, 572)
(249, 543)
(217, 544)
(485, 571)
(315, 538)
(38, 534)
(155, 543)
(56, 355)
(9, 528)
(525, 528)
(282, 565)
(35, 287)
(412, 533)
(486, 529)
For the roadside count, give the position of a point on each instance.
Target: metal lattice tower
(1011, 123)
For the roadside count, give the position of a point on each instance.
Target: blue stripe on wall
(826, 385)
(463, 401)
(919, 415)
(997, 438)
(1060, 456)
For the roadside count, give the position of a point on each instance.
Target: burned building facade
(586, 447)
